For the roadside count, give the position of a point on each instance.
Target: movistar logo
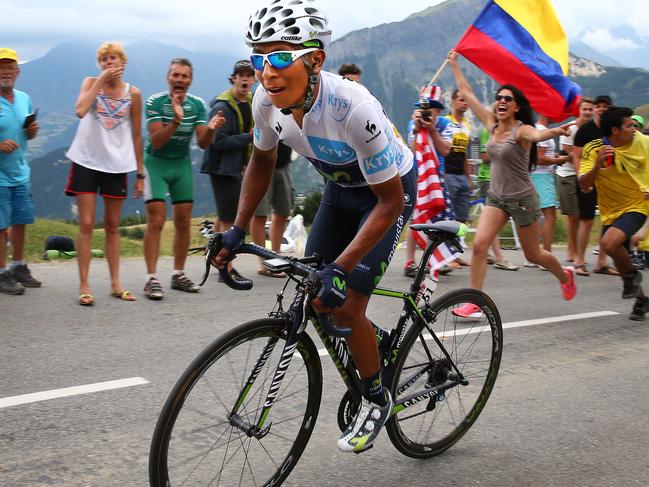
(340, 284)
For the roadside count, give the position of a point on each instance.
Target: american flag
(432, 201)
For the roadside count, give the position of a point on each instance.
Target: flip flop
(580, 270)
(86, 299)
(267, 273)
(124, 296)
(607, 271)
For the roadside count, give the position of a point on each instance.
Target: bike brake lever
(214, 246)
(323, 318)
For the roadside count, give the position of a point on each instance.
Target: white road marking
(137, 381)
(71, 391)
(514, 324)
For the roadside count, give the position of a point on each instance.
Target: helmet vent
(275, 9)
(286, 13)
(262, 13)
(269, 22)
(316, 23)
(293, 31)
(268, 33)
(287, 23)
(256, 29)
(311, 10)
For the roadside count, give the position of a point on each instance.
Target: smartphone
(30, 118)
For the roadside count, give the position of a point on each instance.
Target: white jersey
(549, 146)
(567, 169)
(346, 135)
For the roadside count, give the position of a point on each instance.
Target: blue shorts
(459, 192)
(342, 213)
(16, 206)
(546, 187)
(629, 223)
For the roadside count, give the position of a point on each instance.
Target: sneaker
(184, 283)
(569, 289)
(637, 260)
(468, 310)
(505, 265)
(530, 265)
(491, 259)
(640, 307)
(596, 251)
(8, 285)
(153, 289)
(366, 425)
(236, 276)
(631, 284)
(23, 275)
(410, 269)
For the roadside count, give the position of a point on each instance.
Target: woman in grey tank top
(512, 151)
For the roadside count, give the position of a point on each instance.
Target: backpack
(57, 242)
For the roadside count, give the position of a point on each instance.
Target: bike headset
(297, 22)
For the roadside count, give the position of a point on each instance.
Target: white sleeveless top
(104, 138)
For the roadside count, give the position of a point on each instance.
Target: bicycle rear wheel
(195, 443)
(430, 426)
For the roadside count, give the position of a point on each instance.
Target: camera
(426, 115)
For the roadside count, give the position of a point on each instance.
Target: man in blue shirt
(16, 207)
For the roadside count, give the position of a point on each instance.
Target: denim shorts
(457, 187)
(546, 188)
(16, 206)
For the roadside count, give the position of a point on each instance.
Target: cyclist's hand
(231, 240)
(333, 286)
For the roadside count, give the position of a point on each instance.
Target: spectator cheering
(106, 147)
(172, 117)
(227, 156)
(17, 126)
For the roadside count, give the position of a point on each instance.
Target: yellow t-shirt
(618, 188)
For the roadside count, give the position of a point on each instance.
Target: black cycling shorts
(342, 213)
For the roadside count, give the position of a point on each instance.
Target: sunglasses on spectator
(507, 98)
(278, 59)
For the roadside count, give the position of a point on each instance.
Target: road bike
(242, 413)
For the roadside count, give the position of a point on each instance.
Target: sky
(33, 27)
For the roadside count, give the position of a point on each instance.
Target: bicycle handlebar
(294, 266)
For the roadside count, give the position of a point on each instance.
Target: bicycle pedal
(364, 449)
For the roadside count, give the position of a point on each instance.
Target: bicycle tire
(193, 428)
(475, 348)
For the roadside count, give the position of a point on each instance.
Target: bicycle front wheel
(197, 443)
(426, 426)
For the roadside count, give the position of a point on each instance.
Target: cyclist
(371, 182)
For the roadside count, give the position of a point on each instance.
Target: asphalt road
(570, 406)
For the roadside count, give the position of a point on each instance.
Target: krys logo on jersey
(341, 106)
(392, 154)
(331, 151)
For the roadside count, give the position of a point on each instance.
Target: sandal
(86, 299)
(268, 273)
(124, 296)
(607, 271)
(581, 270)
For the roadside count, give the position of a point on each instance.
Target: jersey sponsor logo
(347, 175)
(331, 151)
(257, 133)
(278, 129)
(291, 38)
(341, 107)
(390, 155)
(316, 108)
(371, 128)
(314, 34)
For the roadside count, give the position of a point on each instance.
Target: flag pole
(439, 72)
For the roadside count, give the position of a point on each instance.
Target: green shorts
(279, 197)
(168, 176)
(524, 209)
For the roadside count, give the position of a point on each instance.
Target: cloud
(602, 40)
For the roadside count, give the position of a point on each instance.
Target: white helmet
(292, 21)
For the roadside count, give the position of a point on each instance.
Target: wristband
(140, 176)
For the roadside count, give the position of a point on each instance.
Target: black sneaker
(640, 307)
(23, 275)
(8, 285)
(184, 283)
(366, 425)
(637, 260)
(631, 284)
(153, 289)
(234, 274)
(410, 270)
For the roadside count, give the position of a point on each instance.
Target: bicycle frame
(296, 320)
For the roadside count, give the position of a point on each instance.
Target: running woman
(512, 151)
(371, 182)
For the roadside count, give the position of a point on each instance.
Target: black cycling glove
(333, 285)
(233, 238)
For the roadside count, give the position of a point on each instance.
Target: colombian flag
(521, 42)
